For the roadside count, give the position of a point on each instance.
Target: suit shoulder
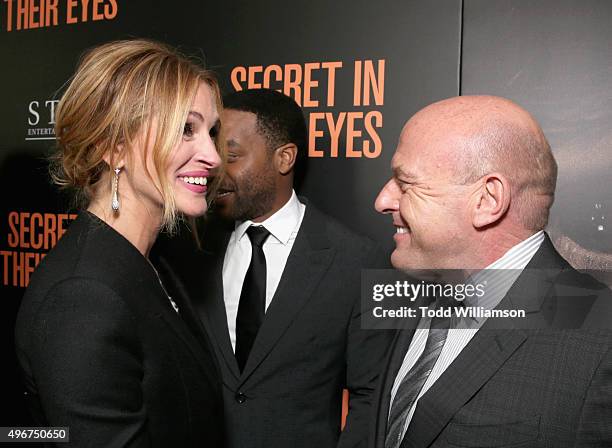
(571, 282)
(353, 248)
(572, 277)
(586, 290)
(340, 234)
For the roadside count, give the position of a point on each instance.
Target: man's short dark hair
(279, 117)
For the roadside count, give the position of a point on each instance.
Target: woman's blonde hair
(116, 92)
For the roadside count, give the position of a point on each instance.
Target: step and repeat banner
(554, 58)
(359, 69)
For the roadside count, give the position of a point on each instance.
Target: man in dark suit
(474, 179)
(278, 292)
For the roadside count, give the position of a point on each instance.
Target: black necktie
(252, 306)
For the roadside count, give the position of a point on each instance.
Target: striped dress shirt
(512, 263)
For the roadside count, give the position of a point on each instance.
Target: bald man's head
(492, 134)
(472, 177)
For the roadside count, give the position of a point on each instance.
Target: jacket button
(240, 397)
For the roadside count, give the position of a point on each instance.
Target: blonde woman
(103, 348)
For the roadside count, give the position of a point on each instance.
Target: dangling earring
(115, 202)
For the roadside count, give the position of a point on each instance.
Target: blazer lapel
(211, 308)
(134, 277)
(187, 312)
(160, 308)
(308, 261)
(175, 323)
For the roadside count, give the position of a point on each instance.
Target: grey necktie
(413, 382)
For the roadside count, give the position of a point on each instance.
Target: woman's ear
(115, 158)
(285, 157)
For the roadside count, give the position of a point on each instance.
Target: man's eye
(404, 186)
(188, 130)
(214, 131)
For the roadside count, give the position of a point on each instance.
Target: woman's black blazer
(103, 351)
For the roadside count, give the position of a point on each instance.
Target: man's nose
(387, 200)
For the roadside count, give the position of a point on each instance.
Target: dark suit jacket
(521, 387)
(309, 347)
(103, 352)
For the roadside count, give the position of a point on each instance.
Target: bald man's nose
(387, 200)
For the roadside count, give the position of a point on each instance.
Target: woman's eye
(188, 130)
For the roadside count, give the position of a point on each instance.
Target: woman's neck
(133, 221)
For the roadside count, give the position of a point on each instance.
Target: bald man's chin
(418, 271)
(402, 261)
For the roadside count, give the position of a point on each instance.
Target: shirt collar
(500, 275)
(520, 255)
(280, 225)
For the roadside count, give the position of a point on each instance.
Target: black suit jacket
(521, 386)
(310, 345)
(103, 352)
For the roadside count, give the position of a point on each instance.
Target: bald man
(473, 181)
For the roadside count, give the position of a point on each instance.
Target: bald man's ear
(284, 158)
(492, 200)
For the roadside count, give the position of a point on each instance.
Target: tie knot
(447, 302)
(257, 235)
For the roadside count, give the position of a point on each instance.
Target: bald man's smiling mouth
(400, 226)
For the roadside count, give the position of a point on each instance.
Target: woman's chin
(194, 211)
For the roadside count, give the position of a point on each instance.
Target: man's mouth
(224, 191)
(401, 229)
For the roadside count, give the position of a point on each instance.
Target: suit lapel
(399, 346)
(482, 357)
(486, 352)
(308, 261)
(211, 308)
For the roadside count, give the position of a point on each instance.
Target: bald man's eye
(403, 185)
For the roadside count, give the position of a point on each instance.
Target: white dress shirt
(283, 227)
(512, 262)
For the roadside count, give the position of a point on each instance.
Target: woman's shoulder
(88, 269)
(91, 253)
(73, 310)
(71, 298)
(93, 276)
